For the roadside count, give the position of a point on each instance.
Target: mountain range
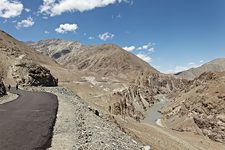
(120, 84)
(217, 65)
(104, 60)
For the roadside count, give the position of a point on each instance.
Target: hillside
(217, 65)
(102, 65)
(199, 108)
(105, 60)
(106, 76)
(19, 63)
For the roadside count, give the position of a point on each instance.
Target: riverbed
(153, 115)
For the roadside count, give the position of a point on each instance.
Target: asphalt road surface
(27, 122)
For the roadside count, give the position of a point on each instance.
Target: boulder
(33, 74)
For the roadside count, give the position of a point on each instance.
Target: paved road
(27, 123)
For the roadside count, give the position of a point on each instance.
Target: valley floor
(79, 126)
(94, 129)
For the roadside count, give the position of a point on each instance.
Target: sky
(171, 35)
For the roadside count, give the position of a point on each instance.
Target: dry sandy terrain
(165, 139)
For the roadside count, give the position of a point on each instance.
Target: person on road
(9, 87)
(17, 86)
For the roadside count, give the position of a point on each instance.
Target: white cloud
(5, 21)
(201, 61)
(106, 36)
(91, 38)
(147, 47)
(25, 23)
(57, 7)
(152, 49)
(46, 32)
(44, 17)
(10, 8)
(64, 28)
(191, 63)
(145, 57)
(27, 9)
(117, 16)
(131, 48)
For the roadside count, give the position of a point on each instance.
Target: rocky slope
(14, 55)
(199, 108)
(132, 97)
(105, 60)
(217, 65)
(138, 97)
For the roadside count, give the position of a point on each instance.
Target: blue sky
(172, 35)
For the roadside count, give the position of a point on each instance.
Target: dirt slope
(15, 56)
(199, 108)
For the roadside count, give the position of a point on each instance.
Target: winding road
(27, 122)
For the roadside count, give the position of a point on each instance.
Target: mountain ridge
(216, 65)
(106, 59)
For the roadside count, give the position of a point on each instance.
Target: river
(153, 114)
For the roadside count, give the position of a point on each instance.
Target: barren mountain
(135, 100)
(101, 75)
(217, 65)
(199, 108)
(105, 60)
(18, 62)
(102, 62)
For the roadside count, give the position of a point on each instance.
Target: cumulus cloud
(57, 7)
(106, 36)
(27, 9)
(147, 47)
(91, 38)
(64, 28)
(25, 23)
(130, 48)
(146, 58)
(10, 8)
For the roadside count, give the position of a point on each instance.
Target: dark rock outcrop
(2, 89)
(34, 75)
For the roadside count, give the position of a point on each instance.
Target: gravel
(80, 127)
